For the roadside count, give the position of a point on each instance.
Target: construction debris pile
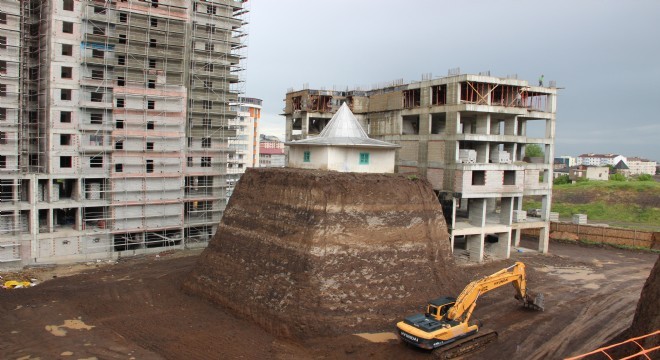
(304, 252)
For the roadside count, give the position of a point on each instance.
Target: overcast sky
(604, 53)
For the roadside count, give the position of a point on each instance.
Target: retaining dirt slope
(307, 253)
(645, 321)
(647, 314)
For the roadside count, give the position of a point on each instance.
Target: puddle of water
(573, 273)
(60, 330)
(378, 337)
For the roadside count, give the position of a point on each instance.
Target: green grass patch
(652, 186)
(599, 211)
(611, 202)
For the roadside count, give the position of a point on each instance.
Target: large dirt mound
(647, 314)
(306, 253)
(645, 321)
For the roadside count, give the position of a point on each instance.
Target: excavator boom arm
(466, 301)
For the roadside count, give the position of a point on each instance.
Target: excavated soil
(136, 309)
(646, 320)
(307, 253)
(312, 292)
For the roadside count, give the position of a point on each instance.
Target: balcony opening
(65, 139)
(94, 217)
(411, 98)
(96, 118)
(509, 177)
(96, 161)
(438, 123)
(478, 177)
(410, 125)
(439, 95)
(64, 189)
(316, 125)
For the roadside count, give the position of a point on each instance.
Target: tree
(533, 150)
(562, 179)
(617, 177)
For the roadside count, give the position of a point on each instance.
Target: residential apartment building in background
(467, 135)
(565, 161)
(640, 166)
(115, 124)
(599, 159)
(245, 144)
(271, 152)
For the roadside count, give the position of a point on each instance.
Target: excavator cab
(438, 308)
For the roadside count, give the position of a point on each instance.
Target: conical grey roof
(621, 165)
(343, 130)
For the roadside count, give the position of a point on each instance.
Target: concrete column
(477, 212)
(511, 149)
(503, 246)
(491, 206)
(453, 94)
(522, 128)
(506, 211)
(545, 207)
(544, 239)
(453, 119)
(16, 218)
(552, 103)
(451, 242)
(482, 152)
(78, 225)
(50, 221)
(483, 124)
(289, 127)
(305, 124)
(475, 247)
(510, 126)
(516, 237)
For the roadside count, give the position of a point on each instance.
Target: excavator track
(465, 346)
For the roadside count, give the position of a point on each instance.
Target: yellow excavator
(445, 324)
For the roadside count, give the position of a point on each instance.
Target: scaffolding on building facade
(121, 126)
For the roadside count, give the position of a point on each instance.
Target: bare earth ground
(135, 309)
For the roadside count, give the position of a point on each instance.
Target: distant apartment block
(271, 152)
(599, 159)
(565, 161)
(467, 135)
(245, 144)
(115, 124)
(640, 166)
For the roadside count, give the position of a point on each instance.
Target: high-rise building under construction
(115, 122)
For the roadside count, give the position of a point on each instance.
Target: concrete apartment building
(467, 135)
(271, 152)
(245, 144)
(640, 166)
(600, 159)
(115, 122)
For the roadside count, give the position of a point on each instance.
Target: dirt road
(136, 310)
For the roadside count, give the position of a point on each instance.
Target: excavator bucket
(533, 302)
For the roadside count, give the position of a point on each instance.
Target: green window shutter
(364, 158)
(306, 156)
